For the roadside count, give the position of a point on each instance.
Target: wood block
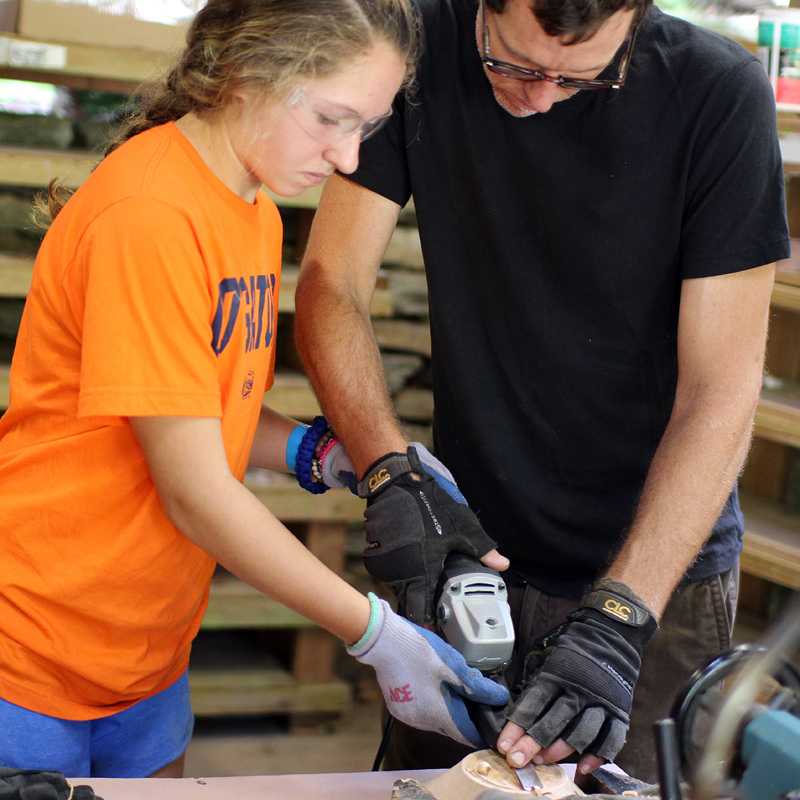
(485, 774)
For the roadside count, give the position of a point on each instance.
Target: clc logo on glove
(618, 609)
(378, 479)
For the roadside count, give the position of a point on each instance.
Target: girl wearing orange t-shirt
(145, 349)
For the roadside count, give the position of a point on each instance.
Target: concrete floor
(260, 746)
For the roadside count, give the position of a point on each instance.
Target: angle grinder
(473, 617)
(472, 613)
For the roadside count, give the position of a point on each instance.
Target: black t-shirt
(555, 247)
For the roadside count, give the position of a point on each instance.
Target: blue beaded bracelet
(305, 454)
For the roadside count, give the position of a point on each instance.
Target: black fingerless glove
(29, 784)
(579, 678)
(411, 527)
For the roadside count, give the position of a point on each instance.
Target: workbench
(341, 786)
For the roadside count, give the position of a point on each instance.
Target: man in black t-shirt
(599, 196)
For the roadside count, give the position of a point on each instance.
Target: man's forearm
(342, 359)
(691, 477)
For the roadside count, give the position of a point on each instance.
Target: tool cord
(387, 732)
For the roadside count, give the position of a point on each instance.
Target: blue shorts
(133, 743)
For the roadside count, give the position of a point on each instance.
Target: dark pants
(695, 626)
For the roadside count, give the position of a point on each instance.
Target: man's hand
(422, 678)
(579, 680)
(412, 524)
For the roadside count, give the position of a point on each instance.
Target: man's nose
(344, 153)
(540, 95)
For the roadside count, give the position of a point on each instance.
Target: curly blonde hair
(265, 45)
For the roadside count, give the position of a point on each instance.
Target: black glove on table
(411, 527)
(29, 784)
(579, 677)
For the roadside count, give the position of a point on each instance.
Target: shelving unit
(770, 558)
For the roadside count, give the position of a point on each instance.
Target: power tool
(735, 726)
(472, 613)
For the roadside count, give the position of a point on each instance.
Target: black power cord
(387, 732)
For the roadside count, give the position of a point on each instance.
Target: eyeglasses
(327, 124)
(518, 73)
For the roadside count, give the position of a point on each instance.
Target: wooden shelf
(771, 542)
(291, 394)
(16, 273)
(290, 503)
(114, 69)
(778, 415)
(36, 168)
(263, 691)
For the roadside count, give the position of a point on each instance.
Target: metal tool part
(529, 778)
(737, 721)
(473, 614)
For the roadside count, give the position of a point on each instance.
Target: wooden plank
(767, 469)
(788, 270)
(778, 415)
(5, 370)
(290, 503)
(771, 542)
(291, 395)
(36, 168)
(414, 404)
(785, 296)
(263, 691)
(410, 336)
(314, 649)
(234, 604)
(15, 275)
(783, 354)
(126, 67)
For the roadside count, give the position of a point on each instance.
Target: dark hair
(575, 21)
(265, 45)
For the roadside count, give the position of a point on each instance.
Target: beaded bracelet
(316, 460)
(305, 457)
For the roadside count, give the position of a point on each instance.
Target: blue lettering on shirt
(256, 294)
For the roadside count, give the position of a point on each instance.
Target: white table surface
(336, 786)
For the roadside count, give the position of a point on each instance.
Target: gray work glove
(423, 679)
(579, 677)
(412, 524)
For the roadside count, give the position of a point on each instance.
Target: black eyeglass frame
(516, 72)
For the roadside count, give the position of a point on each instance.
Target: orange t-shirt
(155, 293)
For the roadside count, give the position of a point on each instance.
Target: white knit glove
(423, 679)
